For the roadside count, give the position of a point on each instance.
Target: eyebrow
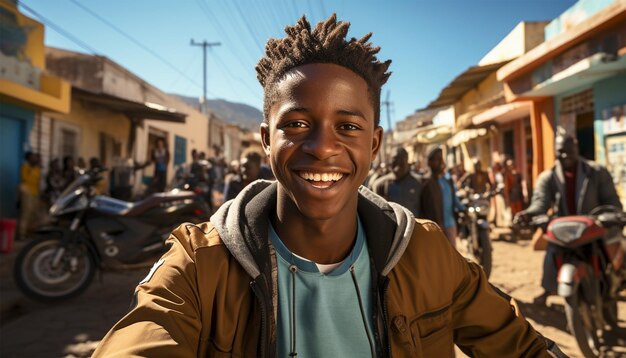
(343, 112)
(346, 112)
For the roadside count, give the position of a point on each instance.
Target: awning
(463, 83)
(145, 110)
(583, 73)
(607, 17)
(466, 135)
(433, 134)
(503, 113)
(405, 136)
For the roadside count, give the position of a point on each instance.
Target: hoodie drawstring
(292, 326)
(358, 295)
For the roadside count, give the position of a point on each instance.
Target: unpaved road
(517, 271)
(73, 328)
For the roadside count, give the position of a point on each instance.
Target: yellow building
(26, 90)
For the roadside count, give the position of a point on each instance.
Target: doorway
(584, 134)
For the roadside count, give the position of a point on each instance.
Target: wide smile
(320, 180)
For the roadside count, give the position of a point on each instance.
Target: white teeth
(324, 177)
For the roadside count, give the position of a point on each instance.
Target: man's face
(436, 163)
(250, 169)
(567, 154)
(321, 139)
(400, 164)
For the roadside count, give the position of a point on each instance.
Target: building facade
(576, 83)
(26, 90)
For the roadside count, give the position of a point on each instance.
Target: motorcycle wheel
(36, 276)
(485, 250)
(610, 313)
(581, 325)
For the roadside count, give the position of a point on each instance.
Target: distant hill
(235, 113)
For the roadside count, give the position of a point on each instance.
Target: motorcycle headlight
(481, 206)
(567, 232)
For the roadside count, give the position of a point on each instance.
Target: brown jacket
(214, 292)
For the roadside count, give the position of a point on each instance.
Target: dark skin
(567, 154)
(250, 169)
(436, 164)
(321, 139)
(400, 164)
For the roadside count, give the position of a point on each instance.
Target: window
(66, 140)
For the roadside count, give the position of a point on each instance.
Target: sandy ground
(74, 328)
(517, 271)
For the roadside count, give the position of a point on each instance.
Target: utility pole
(387, 104)
(204, 44)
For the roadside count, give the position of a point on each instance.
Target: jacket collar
(243, 227)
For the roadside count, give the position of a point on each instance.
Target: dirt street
(517, 271)
(73, 328)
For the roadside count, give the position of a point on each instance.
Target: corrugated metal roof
(463, 83)
(144, 110)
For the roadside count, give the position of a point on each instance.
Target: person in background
(499, 213)
(81, 165)
(161, 159)
(250, 168)
(513, 188)
(400, 186)
(69, 171)
(439, 200)
(30, 175)
(573, 186)
(54, 181)
(197, 170)
(103, 184)
(478, 181)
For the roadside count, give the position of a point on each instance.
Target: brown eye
(295, 124)
(349, 127)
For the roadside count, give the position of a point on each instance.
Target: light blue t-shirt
(328, 320)
(450, 201)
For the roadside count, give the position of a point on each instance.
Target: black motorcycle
(98, 232)
(474, 227)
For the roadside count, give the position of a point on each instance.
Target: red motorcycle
(590, 265)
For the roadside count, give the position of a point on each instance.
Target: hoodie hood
(242, 224)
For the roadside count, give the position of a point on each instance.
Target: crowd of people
(434, 193)
(37, 190)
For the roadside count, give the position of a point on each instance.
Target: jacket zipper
(263, 347)
(386, 315)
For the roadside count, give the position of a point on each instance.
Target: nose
(322, 142)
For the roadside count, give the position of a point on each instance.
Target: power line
(219, 59)
(256, 41)
(224, 34)
(135, 41)
(191, 62)
(59, 30)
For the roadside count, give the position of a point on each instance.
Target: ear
(377, 140)
(265, 138)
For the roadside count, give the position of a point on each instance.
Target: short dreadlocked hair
(325, 44)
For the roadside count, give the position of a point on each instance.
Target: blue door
(12, 135)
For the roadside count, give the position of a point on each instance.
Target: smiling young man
(314, 265)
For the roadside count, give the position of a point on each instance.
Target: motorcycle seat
(156, 199)
(118, 207)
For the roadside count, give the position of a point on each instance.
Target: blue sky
(429, 42)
